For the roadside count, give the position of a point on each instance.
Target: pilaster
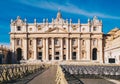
(61, 49)
(70, 48)
(78, 55)
(25, 48)
(67, 48)
(35, 48)
(53, 49)
(47, 49)
(101, 51)
(44, 50)
(88, 48)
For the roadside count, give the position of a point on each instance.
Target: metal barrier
(60, 78)
(16, 71)
(94, 71)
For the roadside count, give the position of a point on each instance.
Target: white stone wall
(112, 47)
(58, 28)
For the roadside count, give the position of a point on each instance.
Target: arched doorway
(94, 54)
(19, 54)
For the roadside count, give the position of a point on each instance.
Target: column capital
(71, 37)
(100, 38)
(43, 37)
(87, 38)
(25, 38)
(81, 38)
(61, 37)
(34, 38)
(13, 38)
(47, 37)
(78, 37)
(52, 37)
(68, 37)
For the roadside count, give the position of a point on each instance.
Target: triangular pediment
(56, 30)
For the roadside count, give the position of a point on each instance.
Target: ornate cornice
(55, 33)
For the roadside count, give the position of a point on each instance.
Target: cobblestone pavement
(47, 77)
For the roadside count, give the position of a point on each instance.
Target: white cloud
(66, 7)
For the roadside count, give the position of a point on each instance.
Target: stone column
(78, 56)
(44, 50)
(35, 48)
(61, 49)
(67, 48)
(101, 50)
(70, 48)
(88, 48)
(25, 48)
(53, 50)
(47, 49)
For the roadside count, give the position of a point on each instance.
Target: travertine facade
(59, 40)
(112, 47)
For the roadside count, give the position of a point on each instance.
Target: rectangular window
(111, 60)
(64, 57)
(94, 28)
(73, 55)
(56, 58)
(40, 55)
(18, 28)
(50, 57)
(56, 53)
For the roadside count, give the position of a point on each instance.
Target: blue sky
(105, 10)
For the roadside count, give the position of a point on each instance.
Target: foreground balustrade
(16, 71)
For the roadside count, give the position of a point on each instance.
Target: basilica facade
(58, 40)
